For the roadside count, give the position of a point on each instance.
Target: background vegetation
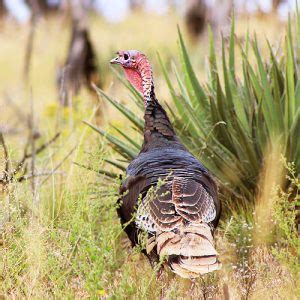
(234, 103)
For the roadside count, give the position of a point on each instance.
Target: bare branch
(33, 148)
(9, 130)
(19, 113)
(38, 150)
(29, 47)
(59, 165)
(44, 146)
(26, 177)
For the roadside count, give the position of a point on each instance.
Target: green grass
(71, 244)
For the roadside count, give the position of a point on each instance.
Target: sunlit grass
(71, 243)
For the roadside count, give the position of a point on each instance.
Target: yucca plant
(230, 121)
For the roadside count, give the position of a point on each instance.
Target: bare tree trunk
(196, 17)
(276, 4)
(136, 4)
(81, 67)
(200, 13)
(29, 48)
(2, 8)
(37, 7)
(40, 8)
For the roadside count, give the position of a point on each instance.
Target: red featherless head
(138, 71)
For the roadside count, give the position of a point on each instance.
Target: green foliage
(229, 121)
(287, 248)
(72, 245)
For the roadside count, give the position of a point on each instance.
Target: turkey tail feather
(190, 251)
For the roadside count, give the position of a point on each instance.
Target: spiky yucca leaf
(229, 121)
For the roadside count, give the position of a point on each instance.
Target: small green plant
(287, 247)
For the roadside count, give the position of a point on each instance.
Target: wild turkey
(168, 197)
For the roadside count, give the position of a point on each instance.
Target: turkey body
(171, 199)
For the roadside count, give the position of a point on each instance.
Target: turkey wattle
(168, 196)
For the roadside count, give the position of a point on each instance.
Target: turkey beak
(115, 61)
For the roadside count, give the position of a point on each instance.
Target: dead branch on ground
(19, 172)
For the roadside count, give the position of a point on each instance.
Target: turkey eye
(126, 56)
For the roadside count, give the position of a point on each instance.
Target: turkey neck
(158, 131)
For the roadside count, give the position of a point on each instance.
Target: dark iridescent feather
(168, 193)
